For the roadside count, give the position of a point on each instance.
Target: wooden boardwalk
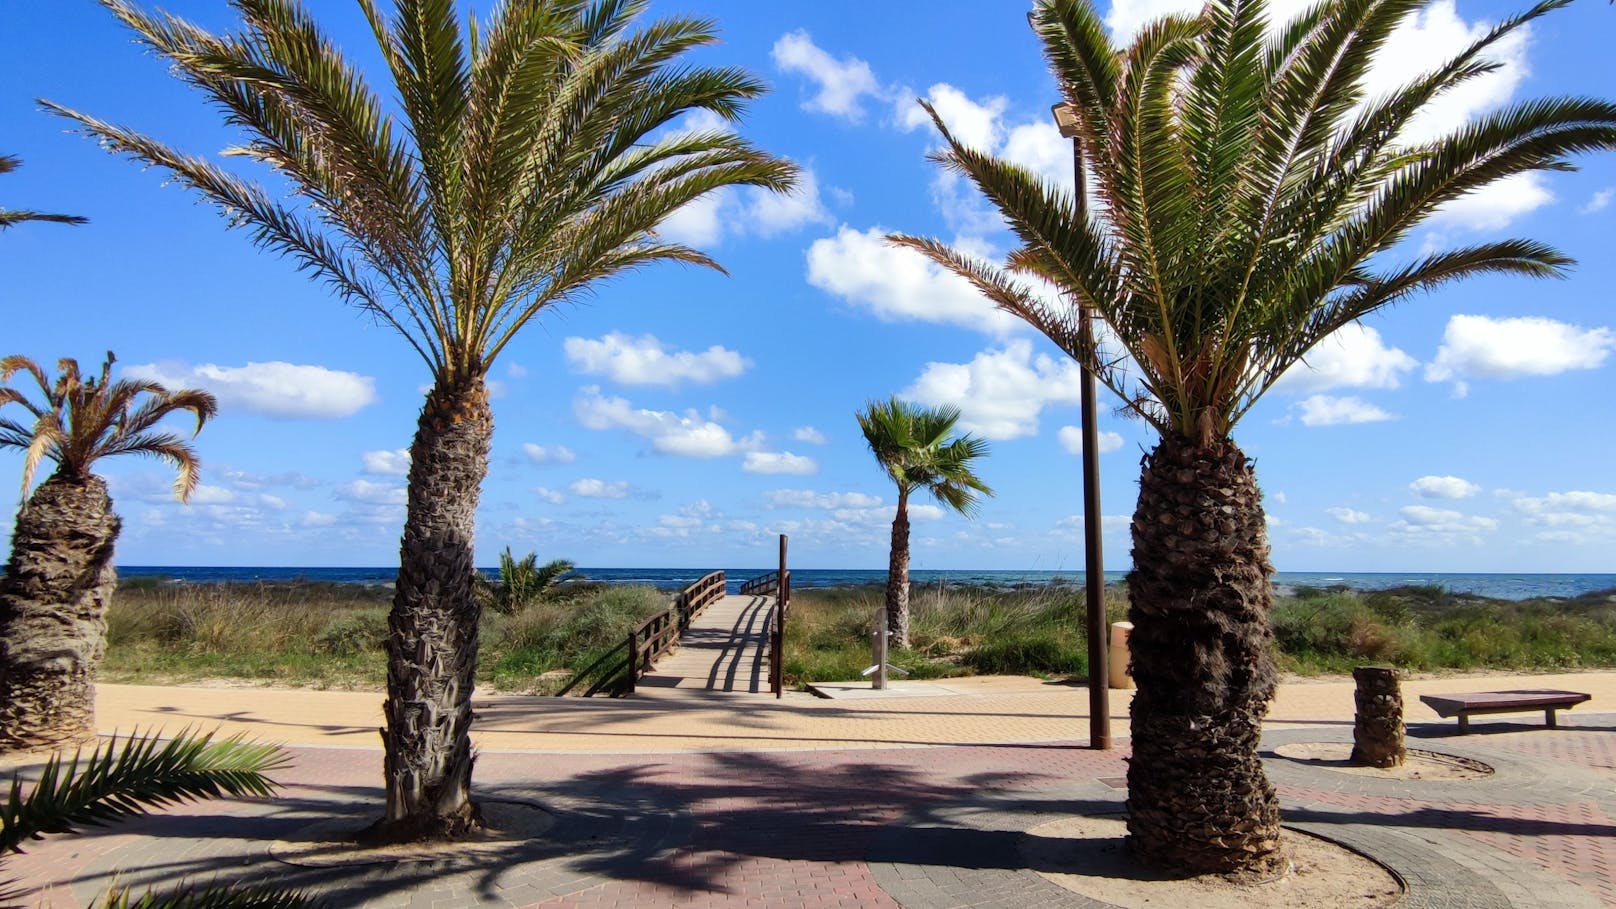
(725, 651)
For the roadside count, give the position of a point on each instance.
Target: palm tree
(60, 578)
(115, 782)
(10, 217)
(1251, 192)
(530, 161)
(914, 447)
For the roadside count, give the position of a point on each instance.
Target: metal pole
(1093, 557)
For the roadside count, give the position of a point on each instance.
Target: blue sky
(681, 418)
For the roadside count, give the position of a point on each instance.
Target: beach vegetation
(919, 452)
(60, 574)
(522, 159)
(522, 582)
(1253, 191)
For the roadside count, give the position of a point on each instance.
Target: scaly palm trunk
(1201, 646)
(432, 630)
(898, 576)
(53, 607)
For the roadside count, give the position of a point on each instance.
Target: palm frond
(117, 781)
(211, 896)
(916, 447)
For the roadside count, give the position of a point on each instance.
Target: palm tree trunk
(53, 607)
(898, 576)
(1201, 645)
(432, 630)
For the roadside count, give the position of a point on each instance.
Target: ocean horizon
(1498, 585)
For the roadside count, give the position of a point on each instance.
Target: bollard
(1121, 666)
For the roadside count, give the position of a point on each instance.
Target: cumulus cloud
(317, 519)
(1353, 357)
(286, 391)
(829, 501)
(708, 219)
(779, 462)
(841, 84)
(369, 493)
(1477, 347)
(1441, 524)
(549, 495)
(1326, 410)
(548, 454)
(687, 435)
(1071, 439)
(1348, 515)
(808, 434)
(1432, 487)
(1599, 201)
(1576, 500)
(898, 284)
(590, 488)
(1000, 393)
(645, 361)
(395, 463)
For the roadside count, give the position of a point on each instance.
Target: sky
(680, 417)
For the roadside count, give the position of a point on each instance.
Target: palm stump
(1377, 732)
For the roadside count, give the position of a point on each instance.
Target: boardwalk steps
(725, 650)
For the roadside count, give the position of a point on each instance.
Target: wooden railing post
(633, 663)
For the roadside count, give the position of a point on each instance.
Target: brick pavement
(767, 804)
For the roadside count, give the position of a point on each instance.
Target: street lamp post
(1093, 561)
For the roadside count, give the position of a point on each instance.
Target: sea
(1496, 586)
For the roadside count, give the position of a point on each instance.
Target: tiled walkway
(794, 813)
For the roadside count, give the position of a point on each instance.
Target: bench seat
(1464, 705)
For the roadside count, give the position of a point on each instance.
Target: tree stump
(1377, 733)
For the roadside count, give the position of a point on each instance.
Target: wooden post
(1377, 732)
(633, 663)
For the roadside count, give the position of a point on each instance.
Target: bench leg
(1550, 712)
(1464, 724)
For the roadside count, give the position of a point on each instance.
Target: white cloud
(317, 519)
(1348, 515)
(1441, 524)
(211, 495)
(808, 434)
(549, 495)
(1433, 487)
(549, 454)
(1071, 439)
(829, 501)
(841, 84)
(395, 463)
(590, 488)
(1599, 202)
(275, 502)
(645, 361)
(778, 462)
(1000, 393)
(973, 124)
(1481, 347)
(697, 222)
(1325, 410)
(281, 390)
(688, 435)
(899, 284)
(1576, 500)
(372, 493)
(1495, 206)
(769, 213)
(1353, 357)
(515, 370)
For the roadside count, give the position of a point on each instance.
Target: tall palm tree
(913, 445)
(60, 578)
(10, 217)
(529, 161)
(1252, 192)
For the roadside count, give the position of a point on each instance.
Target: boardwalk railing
(778, 585)
(616, 671)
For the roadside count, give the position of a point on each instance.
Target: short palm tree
(531, 156)
(1252, 195)
(10, 216)
(60, 578)
(917, 449)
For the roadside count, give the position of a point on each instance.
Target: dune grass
(331, 635)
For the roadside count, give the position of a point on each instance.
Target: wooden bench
(1464, 705)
